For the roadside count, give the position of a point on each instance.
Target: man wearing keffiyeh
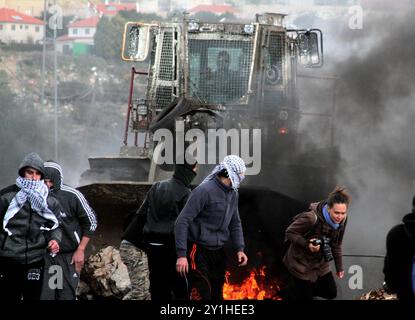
(30, 220)
(209, 218)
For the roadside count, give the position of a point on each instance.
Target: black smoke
(374, 120)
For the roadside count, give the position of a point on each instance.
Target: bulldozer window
(219, 70)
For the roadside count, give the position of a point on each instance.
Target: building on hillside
(80, 37)
(16, 27)
(110, 9)
(32, 8)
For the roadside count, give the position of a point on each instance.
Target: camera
(316, 242)
(324, 242)
(326, 249)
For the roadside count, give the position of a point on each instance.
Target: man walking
(207, 221)
(153, 230)
(79, 223)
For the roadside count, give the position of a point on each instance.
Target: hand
(78, 258)
(242, 258)
(53, 246)
(340, 274)
(313, 248)
(182, 266)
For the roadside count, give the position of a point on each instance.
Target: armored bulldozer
(232, 83)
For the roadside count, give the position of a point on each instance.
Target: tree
(105, 39)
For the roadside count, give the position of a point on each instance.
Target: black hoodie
(400, 246)
(78, 219)
(28, 242)
(154, 220)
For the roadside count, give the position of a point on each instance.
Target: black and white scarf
(235, 167)
(36, 192)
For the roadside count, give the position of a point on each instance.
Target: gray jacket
(209, 218)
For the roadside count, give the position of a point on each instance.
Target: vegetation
(92, 98)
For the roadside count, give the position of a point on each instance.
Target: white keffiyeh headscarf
(235, 167)
(36, 192)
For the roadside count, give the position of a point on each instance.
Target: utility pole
(44, 51)
(55, 84)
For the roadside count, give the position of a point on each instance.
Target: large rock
(105, 275)
(379, 294)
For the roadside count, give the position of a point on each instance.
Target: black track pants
(20, 281)
(207, 272)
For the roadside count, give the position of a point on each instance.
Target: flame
(254, 287)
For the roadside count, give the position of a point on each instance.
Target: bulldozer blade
(104, 169)
(112, 203)
(120, 193)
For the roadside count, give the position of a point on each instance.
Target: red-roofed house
(16, 27)
(111, 9)
(80, 33)
(216, 9)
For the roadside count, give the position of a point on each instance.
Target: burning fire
(255, 287)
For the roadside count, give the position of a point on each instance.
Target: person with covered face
(30, 226)
(78, 224)
(316, 238)
(150, 237)
(205, 224)
(399, 265)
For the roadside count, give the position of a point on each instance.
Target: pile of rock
(379, 294)
(104, 276)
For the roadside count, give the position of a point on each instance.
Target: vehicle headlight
(193, 26)
(249, 28)
(284, 115)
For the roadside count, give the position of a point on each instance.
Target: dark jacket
(28, 242)
(78, 219)
(210, 216)
(154, 220)
(400, 251)
(299, 260)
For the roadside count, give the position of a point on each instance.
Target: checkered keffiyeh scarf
(36, 192)
(234, 165)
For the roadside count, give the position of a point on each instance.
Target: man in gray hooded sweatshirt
(30, 223)
(209, 219)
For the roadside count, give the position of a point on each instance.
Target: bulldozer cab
(245, 71)
(222, 64)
